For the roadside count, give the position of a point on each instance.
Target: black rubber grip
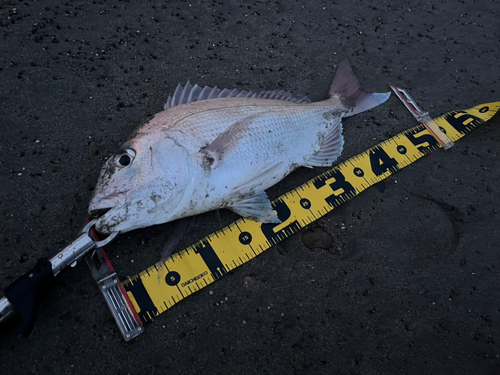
(27, 291)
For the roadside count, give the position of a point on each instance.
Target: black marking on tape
(146, 305)
(402, 149)
(462, 121)
(305, 203)
(421, 139)
(210, 258)
(381, 162)
(245, 238)
(172, 278)
(284, 214)
(340, 183)
(358, 172)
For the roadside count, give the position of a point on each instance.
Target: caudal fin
(346, 86)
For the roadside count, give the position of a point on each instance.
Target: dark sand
(411, 285)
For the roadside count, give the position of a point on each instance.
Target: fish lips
(101, 203)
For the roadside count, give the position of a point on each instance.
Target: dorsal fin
(190, 93)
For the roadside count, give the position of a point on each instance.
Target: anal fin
(256, 207)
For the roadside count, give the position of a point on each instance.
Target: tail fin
(346, 85)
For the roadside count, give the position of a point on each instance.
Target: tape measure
(159, 287)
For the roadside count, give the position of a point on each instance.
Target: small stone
(410, 327)
(248, 281)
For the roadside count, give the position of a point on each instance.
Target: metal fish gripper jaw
(114, 294)
(25, 293)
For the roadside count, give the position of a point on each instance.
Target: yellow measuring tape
(192, 269)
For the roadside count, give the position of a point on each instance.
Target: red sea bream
(212, 149)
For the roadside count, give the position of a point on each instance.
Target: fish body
(222, 152)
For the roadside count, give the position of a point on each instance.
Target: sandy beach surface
(409, 281)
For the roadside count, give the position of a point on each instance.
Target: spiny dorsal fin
(190, 93)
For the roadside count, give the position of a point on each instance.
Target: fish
(211, 148)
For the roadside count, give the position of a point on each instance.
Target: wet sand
(409, 280)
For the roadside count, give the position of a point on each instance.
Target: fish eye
(124, 160)
(124, 157)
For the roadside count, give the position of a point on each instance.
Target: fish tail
(345, 86)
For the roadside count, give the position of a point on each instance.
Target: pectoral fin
(256, 207)
(330, 150)
(213, 154)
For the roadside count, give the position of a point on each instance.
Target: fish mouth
(96, 213)
(102, 204)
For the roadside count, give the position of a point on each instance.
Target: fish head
(140, 185)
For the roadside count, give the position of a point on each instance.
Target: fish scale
(298, 128)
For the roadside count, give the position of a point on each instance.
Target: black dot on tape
(245, 238)
(172, 278)
(402, 150)
(358, 172)
(484, 110)
(305, 203)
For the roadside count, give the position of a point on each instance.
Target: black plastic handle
(27, 291)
